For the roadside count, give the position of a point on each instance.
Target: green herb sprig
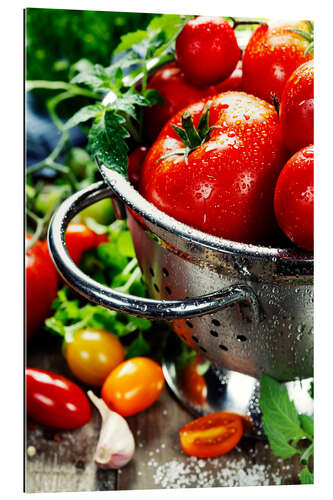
(284, 427)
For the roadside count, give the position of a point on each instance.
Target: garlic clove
(116, 444)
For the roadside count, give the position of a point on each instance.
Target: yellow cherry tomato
(93, 354)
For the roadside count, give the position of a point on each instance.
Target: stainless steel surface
(228, 390)
(179, 262)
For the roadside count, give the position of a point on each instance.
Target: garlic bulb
(116, 444)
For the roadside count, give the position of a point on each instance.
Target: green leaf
(306, 476)
(169, 23)
(278, 442)
(106, 141)
(138, 347)
(307, 454)
(130, 39)
(127, 103)
(279, 413)
(153, 97)
(125, 244)
(306, 423)
(84, 114)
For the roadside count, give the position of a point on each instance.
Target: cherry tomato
(93, 354)
(55, 401)
(294, 198)
(80, 238)
(227, 186)
(193, 384)
(271, 55)
(135, 161)
(211, 435)
(233, 82)
(133, 386)
(176, 92)
(207, 50)
(41, 285)
(296, 108)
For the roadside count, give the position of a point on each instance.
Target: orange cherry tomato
(133, 386)
(211, 435)
(193, 384)
(92, 354)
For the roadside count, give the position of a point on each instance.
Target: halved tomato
(211, 435)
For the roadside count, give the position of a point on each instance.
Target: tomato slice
(211, 435)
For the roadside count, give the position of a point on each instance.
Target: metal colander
(246, 308)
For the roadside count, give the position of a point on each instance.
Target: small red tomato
(273, 52)
(80, 238)
(41, 285)
(294, 198)
(133, 386)
(211, 435)
(55, 401)
(233, 82)
(176, 92)
(296, 108)
(135, 161)
(207, 50)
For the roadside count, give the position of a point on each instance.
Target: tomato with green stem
(273, 52)
(214, 167)
(133, 386)
(91, 354)
(55, 401)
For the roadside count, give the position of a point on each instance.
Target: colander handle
(115, 300)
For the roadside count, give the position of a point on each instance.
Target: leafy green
(111, 263)
(283, 426)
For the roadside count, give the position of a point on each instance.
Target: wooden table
(63, 461)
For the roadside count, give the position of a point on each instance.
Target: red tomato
(80, 238)
(41, 285)
(294, 198)
(176, 92)
(211, 435)
(271, 55)
(55, 401)
(233, 82)
(227, 187)
(207, 50)
(133, 386)
(135, 161)
(296, 108)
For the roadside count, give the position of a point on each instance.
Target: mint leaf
(306, 476)
(279, 413)
(84, 114)
(107, 141)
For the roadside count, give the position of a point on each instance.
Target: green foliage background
(57, 38)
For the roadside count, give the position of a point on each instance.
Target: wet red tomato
(135, 162)
(207, 50)
(294, 198)
(176, 92)
(226, 187)
(296, 108)
(272, 54)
